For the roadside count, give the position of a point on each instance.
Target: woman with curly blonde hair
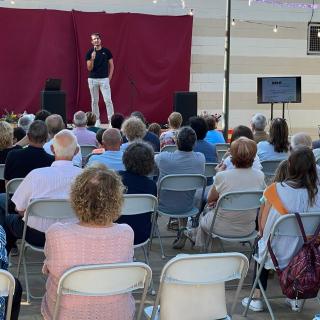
(96, 197)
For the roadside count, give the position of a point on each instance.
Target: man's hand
(93, 55)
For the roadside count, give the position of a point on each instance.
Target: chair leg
(266, 301)
(160, 241)
(26, 276)
(259, 269)
(146, 258)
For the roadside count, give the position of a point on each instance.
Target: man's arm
(90, 62)
(111, 68)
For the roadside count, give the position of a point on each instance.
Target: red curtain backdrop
(152, 56)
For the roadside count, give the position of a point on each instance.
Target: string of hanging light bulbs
(181, 3)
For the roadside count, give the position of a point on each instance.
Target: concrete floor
(282, 311)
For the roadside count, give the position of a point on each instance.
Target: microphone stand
(133, 87)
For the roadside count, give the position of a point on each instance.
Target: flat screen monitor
(279, 90)
(52, 85)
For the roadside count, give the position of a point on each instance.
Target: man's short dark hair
(186, 139)
(117, 120)
(42, 115)
(99, 134)
(199, 125)
(95, 34)
(38, 132)
(139, 115)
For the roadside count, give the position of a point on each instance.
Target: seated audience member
(48, 182)
(112, 157)
(148, 136)
(133, 129)
(182, 161)
(91, 121)
(239, 131)
(300, 139)
(55, 124)
(213, 135)
(84, 136)
(17, 290)
(297, 193)
(277, 147)
(199, 125)
(258, 126)
(169, 137)
(20, 162)
(25, 121)
(6, 140)
(18, 134)
(97, 197)
(42, 115)
(155, 128)
(117, 120)
(243, 177)
(138, 159)
(99, 135)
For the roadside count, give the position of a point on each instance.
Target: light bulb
(318, 33)
(12, 2)
(155, 1)
(233, 23)
(191, 12)
(275, 29)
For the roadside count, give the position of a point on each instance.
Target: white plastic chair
(221, 149)
(269, 168)
(2, 165)
(55, 209)
(193, 286)
(235, 201)
(178, 183)
(104, 280)
(86, 151)
(210, 169)
(287, 226)
(7, 284)
(11, 187)
(169, 148)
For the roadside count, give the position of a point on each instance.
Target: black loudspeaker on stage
(54, 102)
(185, 103)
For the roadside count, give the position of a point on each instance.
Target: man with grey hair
(112, 157)
(258, 125)
(182, 161)
(55, 124)
(25, 121)
(49, 182)
(84, 136)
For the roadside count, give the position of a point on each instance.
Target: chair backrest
(192, 282)
(11, 187)
(240, 200)
(221, 149)
(210, 169)
(269, 167)
(287, 224)
(50, 209)
(169, 148)
(104, 280)
(182, 182)
(86, 150)
(2, 165)
(138, 203)
(7, 284)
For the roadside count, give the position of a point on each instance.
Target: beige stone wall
(255, 51)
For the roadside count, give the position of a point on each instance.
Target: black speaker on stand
(186, 103)
(53, 99)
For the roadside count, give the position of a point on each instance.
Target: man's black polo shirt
(20, 162)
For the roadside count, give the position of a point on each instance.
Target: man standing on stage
(100, 66)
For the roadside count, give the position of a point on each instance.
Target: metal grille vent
(314, 38)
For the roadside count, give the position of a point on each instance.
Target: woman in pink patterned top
(96, 197)
(169, 137)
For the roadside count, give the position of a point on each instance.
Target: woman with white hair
(258, 125)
